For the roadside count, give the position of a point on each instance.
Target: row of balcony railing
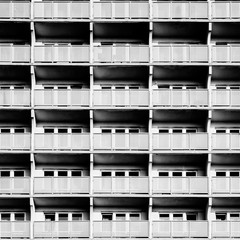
(121, 10)
(120, 141)
(125, 229)
(164, 53)
(121, 98)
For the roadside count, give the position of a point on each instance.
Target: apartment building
(119, 119)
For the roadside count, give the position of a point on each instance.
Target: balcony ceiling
(62, 116)
(226, 159)
(22, 160)
(12, 203)
(226, 73)
(225, 116)
(22, 117)
(226, 202)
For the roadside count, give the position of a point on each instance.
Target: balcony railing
(61, 229)
(121, 10)
(51, 54)
(55, 141)
(180, 185)
(228, 229)
(225, 141)
(59, 10)
(226, 54)
(180, 98)
(126, 229)
(61, 185)
(180, 10)
(116, 54)
(180, 53)
(120, 185)
(15, 97)
(17, 185)
(15, 53)
(61, 97)
(229, 185)
(121, 141)
(15, 141)
(118, 98)
(225, 9)
(180, 141)
(15, 10)
(228, 98)
(165, 229)
(17, 229)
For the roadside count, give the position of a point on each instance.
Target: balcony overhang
(195, 32)
(226, 159)
(225, 116)
(226, 202)
(79, 117)
(22, 160)
(17, 117)
(70, 32)
(121, 32)
(225, 73)
(62, 74)
(15, 203)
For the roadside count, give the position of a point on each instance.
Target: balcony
(69, 142)
(180, 53)
(61, 54)
(121, 10)
(229, 185)
(225, 10)
(61, 229)
(17, 185)
(226, 54)
(180, 98)
(115, 185)
(15, 98)
(120, 98)
(61, 185)
(15, 10)
(187, 229)
(118, 54)
(61, 10)
(18, 229)
(15, 141)
(182, 141)
(15, 53)
(228, 229)
(118, 141)
(180, 185)
(225, 141)
(226, 98)
(111, 229)
(61, 98)
(180, 10)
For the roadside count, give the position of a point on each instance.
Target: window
(220, 174)
(134, 130)
(5, 217)
(48, 173)
(120, 130)
(63, 130)
(120, 216)
(63, 216)
(134, 216)
(133, 174)
(106, 130)
(120, 87)
(77, 217)
(164, 216)
(5, 173)
(177, 130)
(106, 174)
(191, 130)
(49, 216)
(191, 174)
(62, 173)
(106, 87)
(234, 216)
(19, 130)
(48, 130)
(221, 216)
(163, 131)
(163, 174)
(177, 216)
(191, 216)
(234, 131)
(234, 174)
(19, 216)
(5, 130)
(120, 174)
(18, 173)
(76, 173)
(220, 130)
(107, 216)
(76, 130)
(177, 174)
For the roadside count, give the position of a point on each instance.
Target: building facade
(120, 119)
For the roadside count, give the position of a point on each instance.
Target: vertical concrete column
(32, 216)
(209, 217)
(150, 217)
(91, 218)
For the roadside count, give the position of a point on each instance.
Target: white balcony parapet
(225, 141)
(226, 53)
(17, 229)
(61, 185)
(180, 185)
(226, 229)
(15, 53)
(180, 53)
(127, 98)
(14, 98)
(61, 10)
(120, 141)
(16, 185)
(57, 98)
(67, 229)
(169, 229)
(51, 54)
(109, 229)
(15, 141)
(180, 10)
(225, 185)
(121, 10)
(61, 141)
(117, 54)
(120, 185)
(226, 98)
(180, 141)
(14, 10)
(180, 98)
(226, 10)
